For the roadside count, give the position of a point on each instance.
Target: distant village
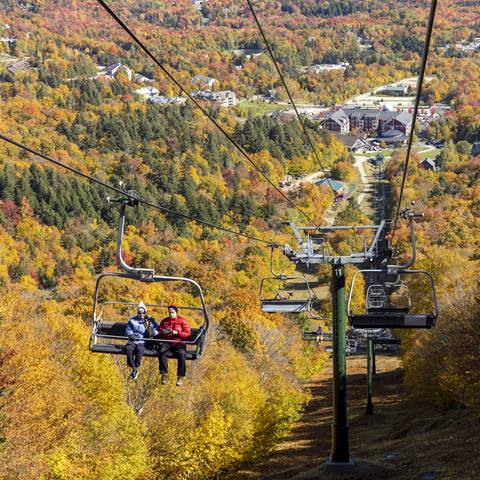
(464, 47)
(356, 126)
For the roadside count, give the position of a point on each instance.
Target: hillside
(400, 441)
(75, 88)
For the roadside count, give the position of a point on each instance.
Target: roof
(387, 115)
(336, 185)
(429, 162)
(113, 67)
(203, 78)
(362, 112)
(339, 116)
(404, 117)
(392, 133)
(147, 91)
(349, 140)
(394, 88)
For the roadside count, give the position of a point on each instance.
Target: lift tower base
(340, 467)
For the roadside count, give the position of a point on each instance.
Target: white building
(113, 70)
(198, 4)
(225, 98)
(116, 68)
(248, 53)
(466, 47)
(324, 67)
(147, 92)
(161, 100)
(398, 90)
(203, 80)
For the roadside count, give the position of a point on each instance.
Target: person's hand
(174, 332)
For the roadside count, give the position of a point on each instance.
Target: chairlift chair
(313, 334)
(317, 334)
(381, 312)
(108, 335)
(283, 301)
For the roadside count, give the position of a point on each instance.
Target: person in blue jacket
(138, 329)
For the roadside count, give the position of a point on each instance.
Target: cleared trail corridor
(401, 441)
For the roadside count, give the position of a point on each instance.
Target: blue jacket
(136, 331)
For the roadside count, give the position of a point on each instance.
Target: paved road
(359, 161)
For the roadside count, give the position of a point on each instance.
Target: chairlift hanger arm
(279, 275)
(297, 233)
(410, 216)
(141, 272)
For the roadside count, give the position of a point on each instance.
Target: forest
(66, 413)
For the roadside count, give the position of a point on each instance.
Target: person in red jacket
(173, 328)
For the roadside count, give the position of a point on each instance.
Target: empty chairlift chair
(110, 316)
(389, 305)
(314, 327)
(292, 296)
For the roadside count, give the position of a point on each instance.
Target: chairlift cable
(302, 123)
(428, 36)
(130, 196)
(197, 104)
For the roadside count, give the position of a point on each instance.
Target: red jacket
(179, 324)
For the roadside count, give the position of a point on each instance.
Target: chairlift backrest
(376, 296)
(388, 297)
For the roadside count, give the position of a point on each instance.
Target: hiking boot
(164, 378)
(179, 381)
(134, 374)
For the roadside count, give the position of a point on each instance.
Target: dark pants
(134, 354)
(180, 353)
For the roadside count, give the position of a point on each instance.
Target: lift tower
(312, 249)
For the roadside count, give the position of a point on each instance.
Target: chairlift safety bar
(155, 340)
